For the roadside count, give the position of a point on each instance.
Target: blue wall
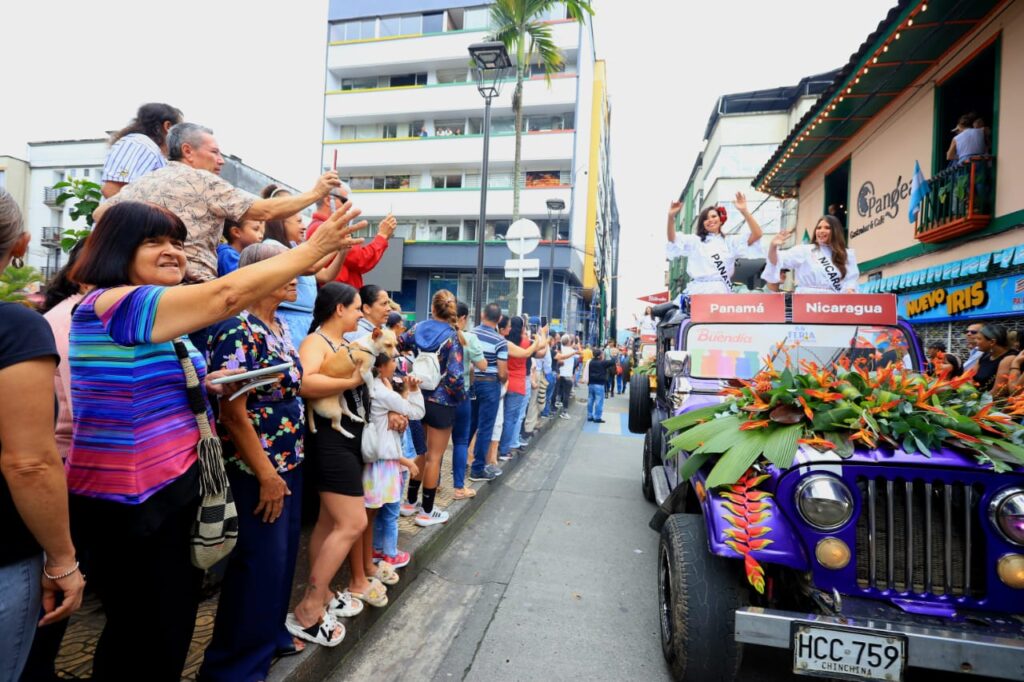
(341, 10)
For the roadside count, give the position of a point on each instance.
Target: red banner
(655, 299)
(749, 308)
(844, 308)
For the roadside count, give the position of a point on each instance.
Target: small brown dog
(352, 359)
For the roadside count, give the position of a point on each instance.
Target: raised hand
(333, 235)
(741, 202)
(387, 226)
(326, 183)
(674, 208)
(782, 237)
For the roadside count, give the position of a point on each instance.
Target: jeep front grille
(919, 537)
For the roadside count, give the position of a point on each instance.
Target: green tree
(14, 281)
(519, 25)
(87, 197)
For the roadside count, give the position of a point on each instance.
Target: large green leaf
(737, 460)
(691, 439)
(681, 421)
(722, 440)
(834, 417)
(843, 445)
(780, 447)
(692, 465)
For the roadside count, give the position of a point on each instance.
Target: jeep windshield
(735, 351)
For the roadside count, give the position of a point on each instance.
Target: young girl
(711, 257)
(384, 457)
(824, 267)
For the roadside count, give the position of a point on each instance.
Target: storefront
(894, 107)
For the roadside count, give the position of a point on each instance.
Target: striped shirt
(494, 345)
(134, 433)
(131, 157)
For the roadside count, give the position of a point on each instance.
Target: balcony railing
(960, 200)
(51, 236)
(50, 195)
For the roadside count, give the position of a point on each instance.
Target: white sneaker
(406, 509)
(564, 415)
(432, 519)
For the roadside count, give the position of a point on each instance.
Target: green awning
(908, 42)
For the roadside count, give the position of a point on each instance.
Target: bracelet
(70, 571)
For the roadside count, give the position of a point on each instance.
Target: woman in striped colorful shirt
(132, 470)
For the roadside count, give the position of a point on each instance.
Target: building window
(405, 79)
(447, 181)
(396, 182)
(837, 193)
(364, 83)
(446, 128)
(452, 75)
(390, 26)
(3, 180)
(411, 24)
(389, 131)
(363, 29)
(543, 178)
(494, 180)
(433, 22)
(970, 91)
(476, 19)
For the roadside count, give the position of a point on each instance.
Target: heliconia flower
(807, 410)
(737, 534)
(735, 392)
(963, 378)
(751, 425)
(756, 544)
(817, 442)
(823, 395)
(963, 436)
(929, 407)
(757, 406)
(864, 436)
(884, 407)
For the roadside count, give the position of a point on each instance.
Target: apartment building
(31, 183)
(743, 131)
(404, 120)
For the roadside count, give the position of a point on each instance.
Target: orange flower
(807, 410)
(817, 442)
(865, 437)
(750, 425)
(823, 395)
(884, 407)
(964, 436)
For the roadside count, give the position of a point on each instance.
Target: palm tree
(14, 281)
(518, 24)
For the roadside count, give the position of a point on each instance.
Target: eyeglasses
(971, 332)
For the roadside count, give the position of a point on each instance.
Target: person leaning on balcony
(361, 260)
(711, 256)
(969, 141)
(138, 148)
(189, 186)
(37, 557)
(824, 267)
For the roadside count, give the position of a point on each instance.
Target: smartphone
(543, 321)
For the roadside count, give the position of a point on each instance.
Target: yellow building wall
(598, 121)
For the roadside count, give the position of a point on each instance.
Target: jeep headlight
(1006, 510)
(824, 501)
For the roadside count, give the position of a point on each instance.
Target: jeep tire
(698, 594)
(639, 403)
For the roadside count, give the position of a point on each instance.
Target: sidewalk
(79, 644)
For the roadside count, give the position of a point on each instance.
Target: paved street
(552, 579)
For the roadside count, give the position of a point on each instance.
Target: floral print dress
(246, 342)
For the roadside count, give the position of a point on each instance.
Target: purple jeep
(864, 564)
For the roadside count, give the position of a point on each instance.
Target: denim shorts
(20, 596)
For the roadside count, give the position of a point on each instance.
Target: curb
(316, 663)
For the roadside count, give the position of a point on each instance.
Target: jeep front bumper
(994, 648)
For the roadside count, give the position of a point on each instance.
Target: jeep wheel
(698, 594)
(639, 403)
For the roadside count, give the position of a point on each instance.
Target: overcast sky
(253, 71)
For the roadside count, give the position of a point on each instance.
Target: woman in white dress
(825, 266)
(711, 257)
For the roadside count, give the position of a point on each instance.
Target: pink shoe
(399, 560)
(378, 555)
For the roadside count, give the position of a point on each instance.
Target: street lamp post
(490, 66)
(554, 205)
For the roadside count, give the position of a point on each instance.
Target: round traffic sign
(522, 236)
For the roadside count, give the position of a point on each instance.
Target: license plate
(847, 654)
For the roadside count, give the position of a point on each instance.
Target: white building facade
(404, 120)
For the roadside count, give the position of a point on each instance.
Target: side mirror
(675, 362)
